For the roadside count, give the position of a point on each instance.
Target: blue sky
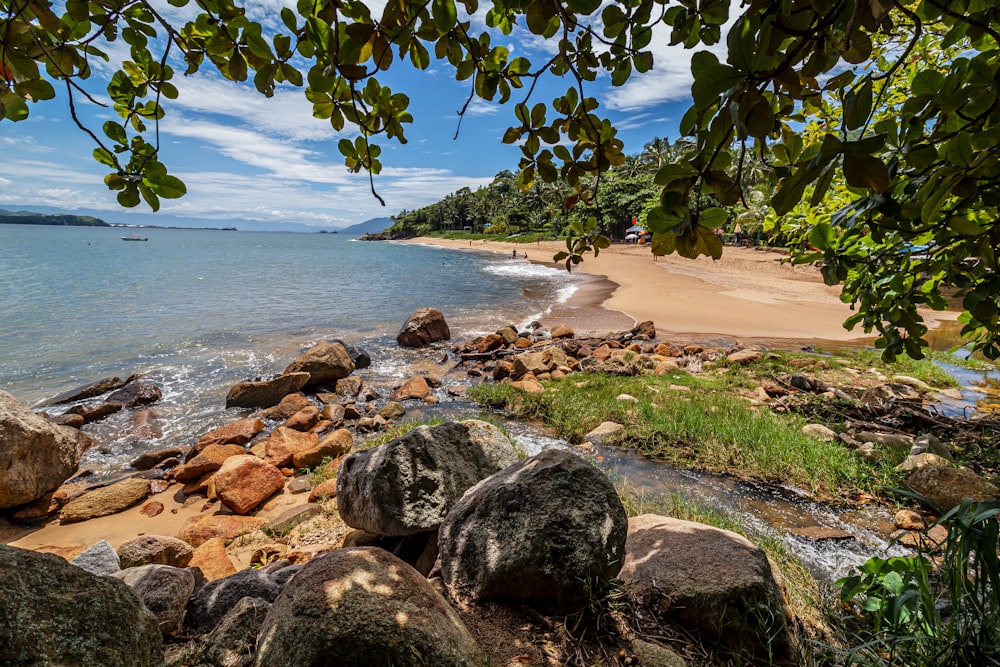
(246, 157)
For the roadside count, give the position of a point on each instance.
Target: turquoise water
(198, 310)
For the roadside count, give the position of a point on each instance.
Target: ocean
(196, 311)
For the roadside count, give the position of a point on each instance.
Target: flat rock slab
(106, 500)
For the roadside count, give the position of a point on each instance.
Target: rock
(895, 441)
(919, 385)
(286, 407)
(562, 331)
(200, 529)
(290, 518)
(214, 600)
(416, 387)
(154, 550)
(820, 432)
(332, 445)
(349, 387)
(359, 356)
(407, 485)
(744, 356)
(869, 452)
(509, 335)
(423, 327)
(528, 384)
(707, 579)
(68, 419)
(208, 460)
(244, 482)
(323, 616)
(545, 361)
(548, 531)
(324, 491)
(88, 391)
(927, 443)
(34, 511)
(164, 590)
(303, 420)
(915, 461)
(105, 500)
(231, 642)
(392, 410)
(643, 331)
(212, 559)
(151, 459)
(99, 559)
(821, 533)
(891, 391)
(909, 520)
(235, 433)
(605, 431)
(325, 362)
(135, 394)
(283, 443)
(36, 456)
(946, 486)
(57, 614)
(333, 412)
(265, 393)
(654, 655)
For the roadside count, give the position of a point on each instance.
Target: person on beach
(737, 230)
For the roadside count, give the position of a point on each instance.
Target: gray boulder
(265, 393)
(212, 602)
(99, 558)
(710, 580)
(36, 455)
(423, 327)
(548, 531)
(136, 393)
(233, 642)
(327, 616)
(409, 484)
(165, 591)
(155, 550)
(325, 362)
(57, 614)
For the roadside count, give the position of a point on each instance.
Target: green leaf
(858, 105)
(663, 244)
(713, 218)
(444, 14)
(927, 82)
(821, 236)
(711, 78)
(866, 171)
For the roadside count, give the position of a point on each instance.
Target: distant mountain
(29, 218)
(368, 227)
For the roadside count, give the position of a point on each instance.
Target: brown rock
(151, 459)
(324, 491)
(666, 366)
(88, 391)
(416, 387)
(68, 419)
(561, 331)
(352, 411)
(909, 520)
(104, 501)
(200, 529)
(488, 343)
(946, 486)
(95, 413)
(154, 550)
(244, 482)
(285, 408)
(265, 393)
(522, 343)
(303, 420)
(745, 356)
(326, 362)
(290, 518)
(821, 533)
(349, 386)
(211, 558)
(333, 446)
(283, 443)
(199, 485)
(154, 508)
(236, 433)
(643, 331)
(423, 327)
(34, 511)
(209, 460)
(602, 353)
(333, 412)
(528, 384)
(135, 394)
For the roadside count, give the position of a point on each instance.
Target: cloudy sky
(247, 157)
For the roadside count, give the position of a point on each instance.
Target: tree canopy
(870, 126)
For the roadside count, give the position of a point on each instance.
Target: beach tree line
(884, 112)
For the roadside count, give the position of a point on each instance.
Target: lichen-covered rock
(409, 484)
(99, 558)
(548, 531)
(423, 327)
(363, 606)
(56, 614)
(36, 455)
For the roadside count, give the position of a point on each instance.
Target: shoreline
(749, 294)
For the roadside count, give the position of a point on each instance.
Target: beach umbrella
(631, 237)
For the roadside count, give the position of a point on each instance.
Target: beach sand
(748, 294)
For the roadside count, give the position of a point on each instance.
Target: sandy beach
(748, 294)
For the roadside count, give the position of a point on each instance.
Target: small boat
(135, 237)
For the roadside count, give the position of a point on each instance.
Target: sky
(247, 158)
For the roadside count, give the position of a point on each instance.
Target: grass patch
(709, 429)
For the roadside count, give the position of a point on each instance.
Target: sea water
(196, 311)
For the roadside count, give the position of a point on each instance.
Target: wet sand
(748, 294)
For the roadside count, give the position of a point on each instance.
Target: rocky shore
(285, 537)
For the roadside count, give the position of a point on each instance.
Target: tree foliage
(899, 99)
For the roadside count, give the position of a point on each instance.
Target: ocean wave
(524, 269)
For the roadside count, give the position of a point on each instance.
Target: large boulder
(409, 484)
(707, 579)
(164, 590)
(548, 531)
(360, 357)
(154, 550)
(213, 601)
(239, 432)
(231, 642)
(36, 455)
(200, 528)
(56, 614)
(265, 393)
(244, 482)
(284, 443)
(363, 606)
(207, 460)
(423, 327)
(105, 500)
(325, 362)
(545, 361)
(946, 486)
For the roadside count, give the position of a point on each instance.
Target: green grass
(706, 428)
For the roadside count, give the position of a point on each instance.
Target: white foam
(522, 269)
